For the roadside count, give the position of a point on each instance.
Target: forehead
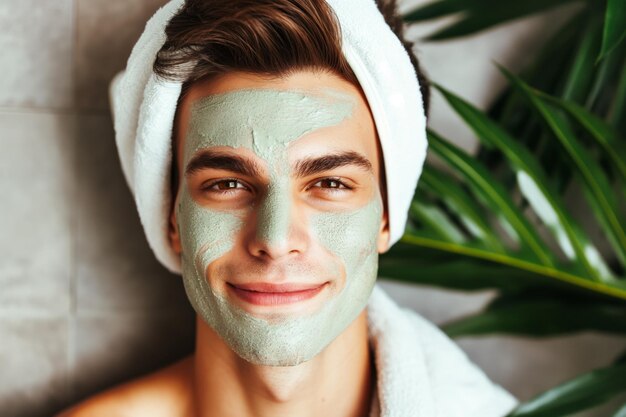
(238, 103)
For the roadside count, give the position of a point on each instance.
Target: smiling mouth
(266, 294)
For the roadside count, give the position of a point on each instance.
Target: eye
(331, 185)
(224, 186)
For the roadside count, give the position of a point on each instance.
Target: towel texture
(421, 372)
(144, 107)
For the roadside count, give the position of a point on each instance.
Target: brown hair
(271, 37)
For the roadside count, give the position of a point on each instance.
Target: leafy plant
(520, 216)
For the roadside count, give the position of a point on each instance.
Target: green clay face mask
(266, 122)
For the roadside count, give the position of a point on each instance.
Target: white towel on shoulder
(421, 372)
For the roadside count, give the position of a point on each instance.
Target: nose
(278, 232)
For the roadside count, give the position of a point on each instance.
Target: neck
(338, 381)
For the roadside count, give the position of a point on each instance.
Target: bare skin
(214, 381)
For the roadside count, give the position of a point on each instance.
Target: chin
(280, 356)
(278, 362)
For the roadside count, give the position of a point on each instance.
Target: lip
(267, 294)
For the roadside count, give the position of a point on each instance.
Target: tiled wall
(83, 303)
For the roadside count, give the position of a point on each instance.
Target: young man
(283, 193)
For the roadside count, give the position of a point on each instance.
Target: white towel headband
(144, 108)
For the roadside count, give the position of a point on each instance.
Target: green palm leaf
(462, 204)
(493, 194)
(436, 223)
(617, 116)
(538, 317)
(459, 274)
(596, 185)
(533, 184)
(603, 133)
(477, 15)
(580, 77)
(475, 222)
(532, 256)
(614, 27)
(578, 394)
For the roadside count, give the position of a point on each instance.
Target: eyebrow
(303, 168)
(224, 161)
(311, 166)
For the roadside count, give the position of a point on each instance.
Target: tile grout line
(29, 313)
(72, 285)
(66, 111)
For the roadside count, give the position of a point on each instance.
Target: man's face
(279, 217)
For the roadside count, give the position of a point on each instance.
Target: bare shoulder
(165, 392)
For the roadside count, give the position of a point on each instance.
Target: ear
(173, 232)
(383, 234)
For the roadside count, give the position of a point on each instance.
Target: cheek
(206, 234)
(352, 236)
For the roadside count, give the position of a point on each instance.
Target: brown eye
(331, 185)
(226, 186)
